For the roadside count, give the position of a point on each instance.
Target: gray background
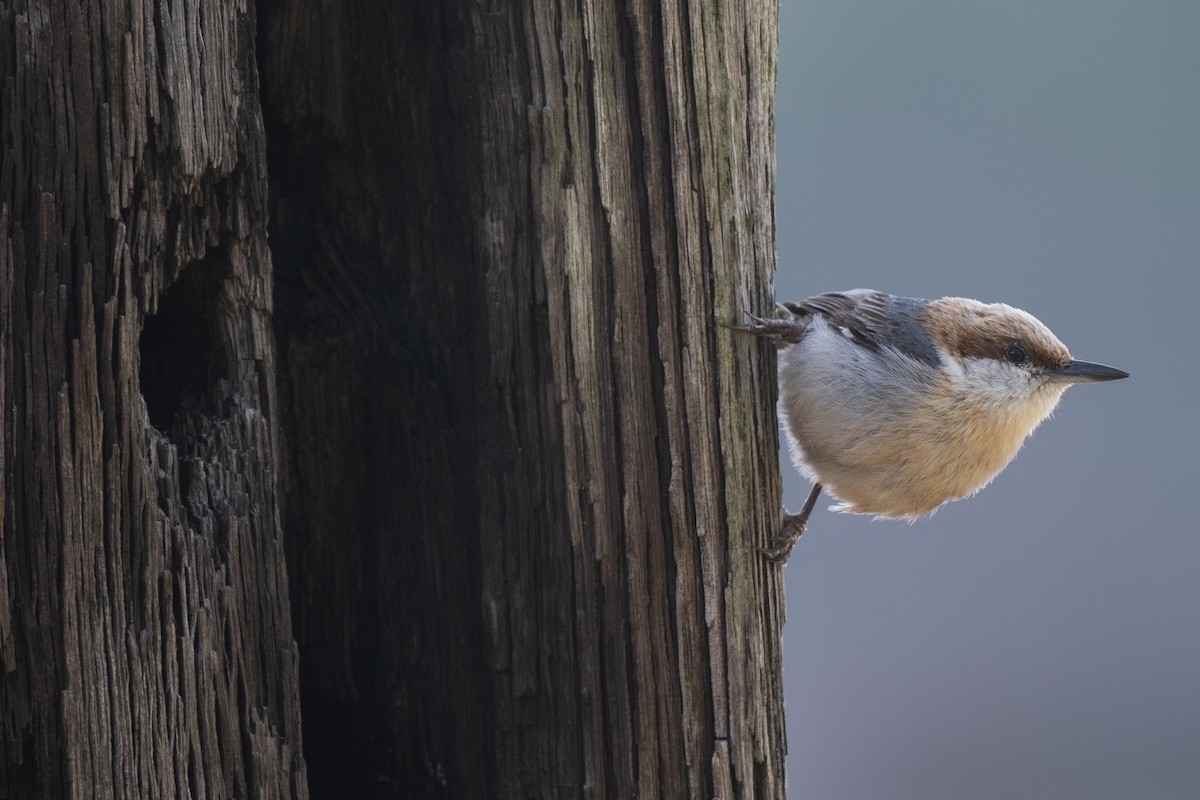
(1041, 639)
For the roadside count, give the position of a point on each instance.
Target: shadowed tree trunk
(479, 394)
(145, 638)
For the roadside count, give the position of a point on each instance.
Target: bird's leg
(793, 527)
(779, 330)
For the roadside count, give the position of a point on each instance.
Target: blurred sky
(1041, 639)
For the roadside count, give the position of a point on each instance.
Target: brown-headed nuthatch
(896, 405)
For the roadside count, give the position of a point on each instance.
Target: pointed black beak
(1086, 372)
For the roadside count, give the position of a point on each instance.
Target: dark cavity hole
(182, 354)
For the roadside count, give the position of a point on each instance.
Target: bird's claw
(789, 533)
(777, 330)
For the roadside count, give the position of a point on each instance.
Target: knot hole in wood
(184, 349)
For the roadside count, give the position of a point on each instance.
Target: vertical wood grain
(508, 235)
(145, 635)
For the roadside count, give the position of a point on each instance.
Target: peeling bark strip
(527, 469)
(145, 641)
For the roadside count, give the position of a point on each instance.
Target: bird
(898, 405)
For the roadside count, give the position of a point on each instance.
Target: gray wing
(872, 319)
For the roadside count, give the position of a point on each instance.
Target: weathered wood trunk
(505, 237)
(518, 467)
(145, 641)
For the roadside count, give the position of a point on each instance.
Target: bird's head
(1002, 356)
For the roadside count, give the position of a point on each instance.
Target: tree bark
(145, 638)
(518, 467)
(506, 235)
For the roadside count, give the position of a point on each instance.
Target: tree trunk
(505, 237)
(519, 468)
(144, 621)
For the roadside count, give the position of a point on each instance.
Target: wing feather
(873, 320)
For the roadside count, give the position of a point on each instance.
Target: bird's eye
(1015, 353)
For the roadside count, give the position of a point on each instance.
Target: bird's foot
(791, 530)
(777, 330)
(789, 533)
